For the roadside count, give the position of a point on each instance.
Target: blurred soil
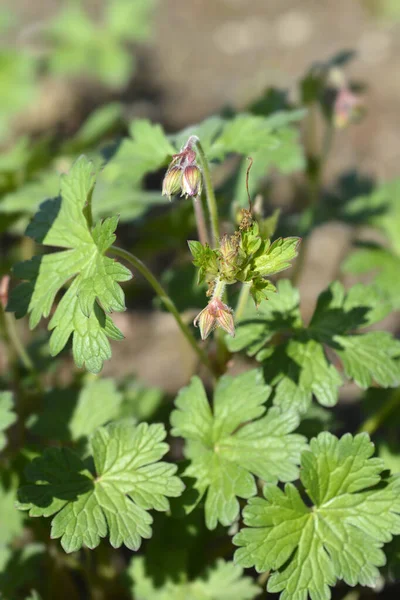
(210, 54)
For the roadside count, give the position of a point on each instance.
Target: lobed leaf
(298, 366)
(94, 291)
(129, 482)
(234, 442)
(340, 537)
(223, 581)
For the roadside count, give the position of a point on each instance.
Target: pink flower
(216, 314)
(348, 108)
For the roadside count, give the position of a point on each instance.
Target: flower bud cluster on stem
(245, 257)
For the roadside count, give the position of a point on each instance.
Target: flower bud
(216, 314)
(172, 182)
(347, 109)
(191, 181)
(229, 248)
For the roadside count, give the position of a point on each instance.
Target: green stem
(200, 220)
(211, 200)
(242, 300)
(13, 341)
(17, 344)
(373, 423)
(166, 300)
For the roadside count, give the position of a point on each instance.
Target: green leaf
(145, 151)
(207, 132)
(340, 537)
(223, 581)
(381, 209)
(140, 402)
(384, 264)
(299, 370)
(23, 570)
(280, 312)
(100, 122)
(11, 521)
(81, 45)
(278, 257)
(98, 403)
(33, 596)
(370, 357)
(18, 85)
(129, 481)
(236, 441)
(7, 415)
(70, 416)
(287, 157)
(247, 133)
(94, 290)
(205, 259)
(297, 365)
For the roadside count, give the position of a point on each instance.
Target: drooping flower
(215, 314)
(172, 182)
(183, 174)
(191, 181)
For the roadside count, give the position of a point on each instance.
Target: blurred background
(177, 62)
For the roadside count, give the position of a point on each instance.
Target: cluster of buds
(215, 314)
(183, 174)
(249, 257)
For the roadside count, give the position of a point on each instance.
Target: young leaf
(94, 290)
(7, 415)
(129, 482)
(223, 581)
(340, 537)
(298, 367)
(234, 442)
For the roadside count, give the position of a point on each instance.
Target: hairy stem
(166, 300)
(211, 200)
(200, 220)
(373, 423)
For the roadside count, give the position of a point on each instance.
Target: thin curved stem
(211, 200)
(166, 300)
